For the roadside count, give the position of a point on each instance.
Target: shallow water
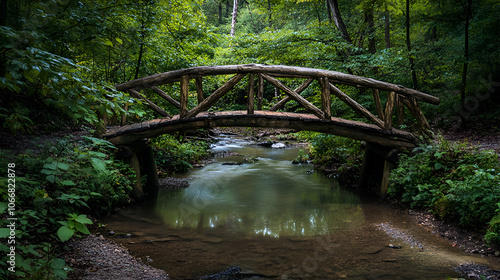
(282, 221)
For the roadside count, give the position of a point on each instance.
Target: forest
(68, 55)
(61, 59)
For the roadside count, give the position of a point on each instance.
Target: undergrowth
(456, 181)
(51, 194)
(340, 155)
(173, 156)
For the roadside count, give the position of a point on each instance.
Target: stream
(256, 213)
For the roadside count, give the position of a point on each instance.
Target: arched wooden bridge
(378, 128)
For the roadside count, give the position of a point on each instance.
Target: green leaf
(4, 232)
(51, 178)
(68, 183)
(108, 42)
(97, 154)
(51, 166)
(57, 263)
(3, 207)
(65, 233)
(83, 219)
(60, 273)
(23, 263)
(98, 164)
(47, 171)
(82, 228)
(62, 166)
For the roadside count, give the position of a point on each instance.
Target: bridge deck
(353, 129)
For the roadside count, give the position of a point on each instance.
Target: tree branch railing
(397, 96)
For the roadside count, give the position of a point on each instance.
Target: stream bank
(190, 245)
(459, 239)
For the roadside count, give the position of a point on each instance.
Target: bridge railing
(397, 96)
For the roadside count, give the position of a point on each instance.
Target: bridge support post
(140, 157)
(378, 163)
(148, 157)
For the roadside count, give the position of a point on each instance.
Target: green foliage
(37, 261)
(493, 232)
(455, 181)
(177, 157)
(302, 157)
(75, 223)
(64, 177)
(54, 81)
(330, 150)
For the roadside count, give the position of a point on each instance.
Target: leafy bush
(57, 82)
(173, 156)
(455, 181)
(331, 150)
(51, 186)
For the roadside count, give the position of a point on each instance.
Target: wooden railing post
(250, 102)
(184, 96)
(199, 89)
(400, 111)
(389, 106)
(260, 93)
(326, 99)
(378, 104)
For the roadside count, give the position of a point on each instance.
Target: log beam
(184, 96)
(285, 71)
(260, 93)
(326, 99)
(211, 99)
(389, 107)
(151, 105)
(250, 101)
(308, 105)
(287, 98)
(199, 89)
(356, 106)
(378, 104)
(166, 97)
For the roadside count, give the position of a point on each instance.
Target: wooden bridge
(377, 128)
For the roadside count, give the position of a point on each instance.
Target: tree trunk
(466, 54)
(317, 13)
(139, 60)
(408, 45)
(3, 22)
(3, 13)
(372, 48)
(270, 13)
(387, 25)
(337, 18)
(235, 14)
(329, 11)
(227, 8)
(220, 12)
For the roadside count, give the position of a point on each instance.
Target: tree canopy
(67, 55)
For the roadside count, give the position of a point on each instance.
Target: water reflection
(270, 197)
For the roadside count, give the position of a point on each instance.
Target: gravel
(96, 258)
(399, 234)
